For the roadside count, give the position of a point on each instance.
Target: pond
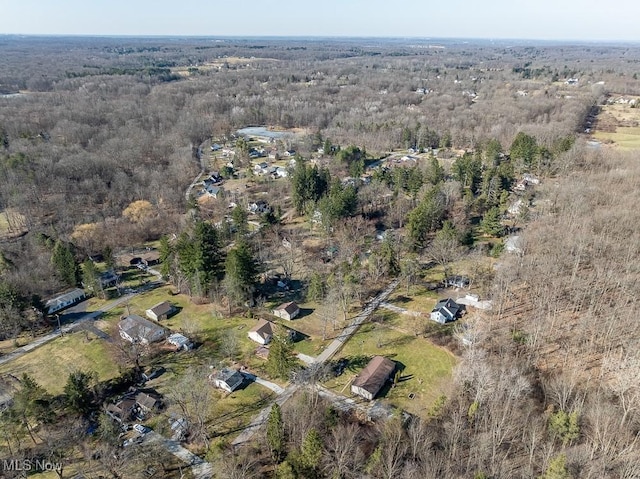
(262, 131)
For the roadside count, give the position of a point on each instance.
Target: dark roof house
(160, 311)
(228, 379)
(373, 377)
(147, 402)
(446, 310)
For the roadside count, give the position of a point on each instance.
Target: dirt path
(327, 354)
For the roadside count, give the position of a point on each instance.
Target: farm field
(619, 124)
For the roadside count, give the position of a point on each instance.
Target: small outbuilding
(160, 311)
(373, 377)
(228, 379)
(287, 311)
(262, 332)
(180, 341)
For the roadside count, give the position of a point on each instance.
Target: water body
(263, 131)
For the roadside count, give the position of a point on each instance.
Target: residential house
(160, 311)
(446, 310)
(373, 377)
(290, 153)
(280, 172)
(261, 168)
(180, 341)
(122, 411)
(456, 282)
(259, 207)
(65, 300)
(108, 279)
(287, 311)
(147, 402)
(262, 332)
(136, 329)
(228, 379)
(213, 191)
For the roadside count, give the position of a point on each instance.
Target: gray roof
(232, 377)
(448, 308)
(73, 295)
(141, 329)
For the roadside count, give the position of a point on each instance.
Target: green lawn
(426, 368)
(625, 137)
(51, 363)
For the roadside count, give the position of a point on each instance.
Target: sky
(584, 20)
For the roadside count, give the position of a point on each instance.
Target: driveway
(328, 353)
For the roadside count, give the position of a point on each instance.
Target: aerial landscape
(337, 251)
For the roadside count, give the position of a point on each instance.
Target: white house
(136, 329)
(65, 300)
(262, 332)
(228, 379)
(287, 311)
(446, 310)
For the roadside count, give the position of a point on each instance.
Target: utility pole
(59, 327)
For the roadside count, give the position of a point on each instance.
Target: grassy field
(627, 138)
(51, 363)
(618, 124)
(426, 368)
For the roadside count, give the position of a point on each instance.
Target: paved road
(74, 319)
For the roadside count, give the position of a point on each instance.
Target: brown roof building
(287, 311)
(373, 377)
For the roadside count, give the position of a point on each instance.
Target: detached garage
(373, 377)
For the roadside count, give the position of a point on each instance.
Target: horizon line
(323, 37)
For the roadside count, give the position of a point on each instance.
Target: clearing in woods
(618, 123)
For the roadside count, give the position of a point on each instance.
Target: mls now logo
(34, 465)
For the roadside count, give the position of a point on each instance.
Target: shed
(373, 377)
(287, 311)
(180, 341)
(160, 311)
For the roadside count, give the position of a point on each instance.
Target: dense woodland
(106, 134)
